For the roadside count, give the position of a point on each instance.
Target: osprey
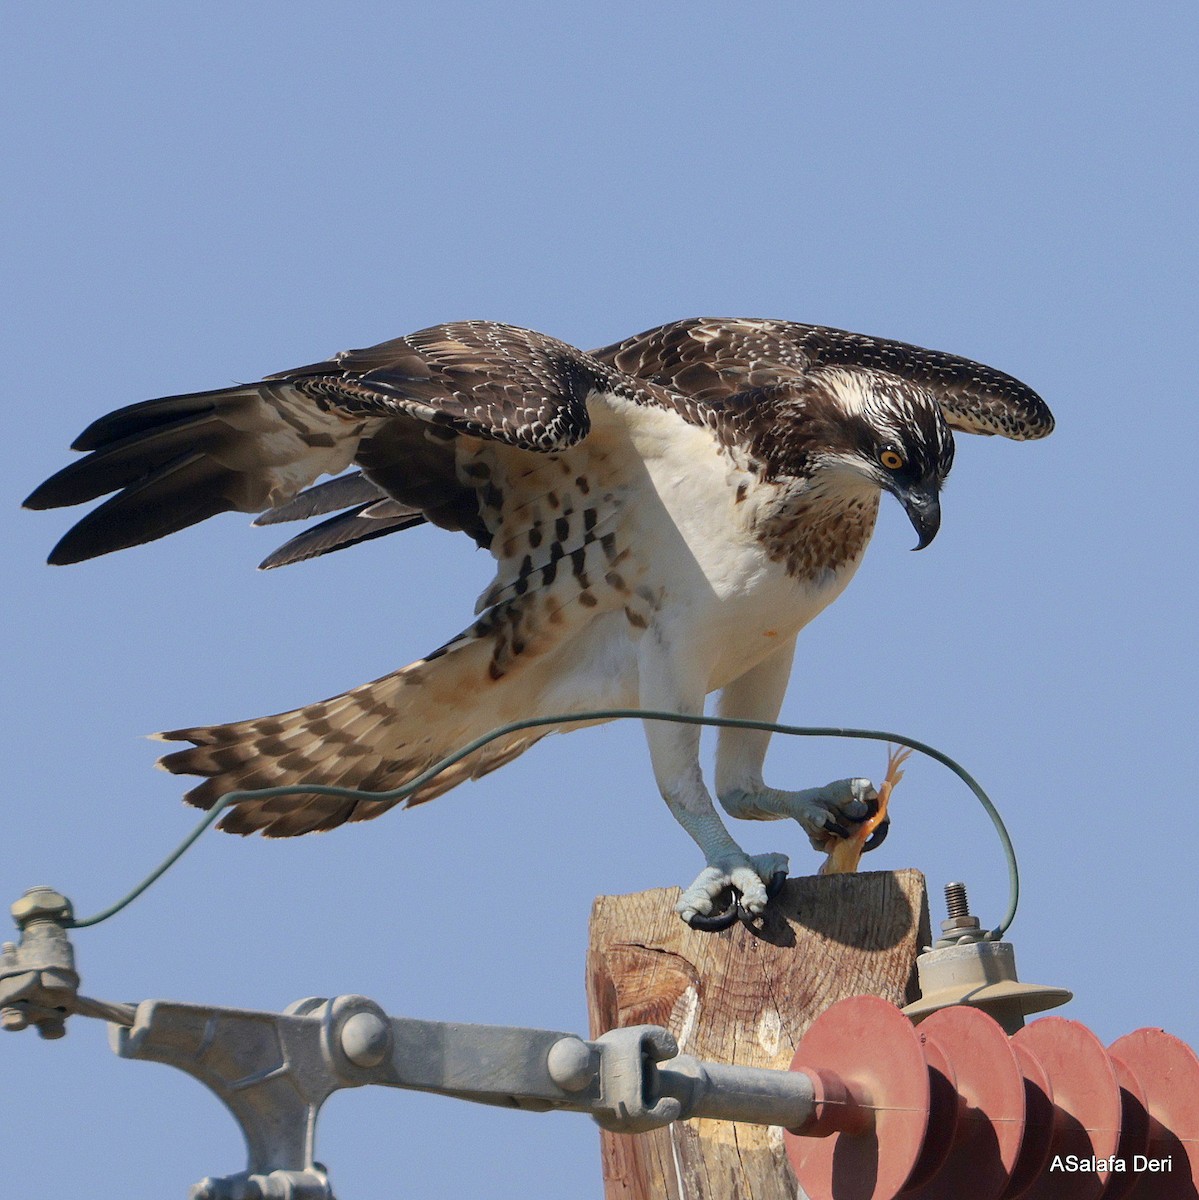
(666, 514)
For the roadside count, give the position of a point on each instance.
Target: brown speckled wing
(175, 461)
(478, 378)
(711, 359)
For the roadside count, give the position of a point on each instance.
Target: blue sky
(200, 194)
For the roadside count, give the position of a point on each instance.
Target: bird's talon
(775, 885)
(714, 922)
(879, 835)
(718, 898)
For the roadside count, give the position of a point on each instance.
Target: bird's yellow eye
(891, 459)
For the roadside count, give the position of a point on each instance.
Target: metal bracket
(38, 980)
(273, 1071)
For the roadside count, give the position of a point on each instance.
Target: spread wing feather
(396, 410)
(478, 378)
(359, 524)
(178, 460)
(346, 491)
(711, 360)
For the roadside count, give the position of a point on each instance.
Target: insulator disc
(1168, 1072)
(990, 1123)
(873, 1048)
(1134, 1132)
(944, 1109)
(1038, 1125)
(1086, 1099)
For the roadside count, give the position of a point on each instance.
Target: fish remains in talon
(844, 853)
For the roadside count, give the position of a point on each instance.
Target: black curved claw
(879, 835)
(715, 922)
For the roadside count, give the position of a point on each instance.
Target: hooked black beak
(923, 506)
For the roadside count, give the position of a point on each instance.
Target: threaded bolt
(959, 926)
(955, 900)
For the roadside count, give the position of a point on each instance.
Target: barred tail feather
(375, 738)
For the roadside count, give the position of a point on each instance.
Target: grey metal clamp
(273, 1070)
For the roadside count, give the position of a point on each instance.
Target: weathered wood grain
(746, 996)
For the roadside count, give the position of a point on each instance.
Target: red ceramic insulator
(1038, 1125)
(956, 1110)
(1134, 1132)
(1167, 1071)
(945, 1107)
(872, 1050)
(1087, 1109)
(990, 1119)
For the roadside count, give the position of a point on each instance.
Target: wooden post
(742, 996)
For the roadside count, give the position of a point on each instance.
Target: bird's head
(869, 427)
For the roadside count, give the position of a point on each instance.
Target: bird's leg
(674, 751)
(823, 811)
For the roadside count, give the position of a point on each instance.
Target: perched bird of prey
(666, 514)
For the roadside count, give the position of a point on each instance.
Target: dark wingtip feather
(340, 532)
(97, 534)
(126, 462)
(67, 487)
(185, 492)
(145, 416)
(42, 496)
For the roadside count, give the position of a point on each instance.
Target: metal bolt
(366, 1039)
(955, 900)
(41, 903)
(960, 926)
(572, 1064)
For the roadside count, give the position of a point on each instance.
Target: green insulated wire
(603, 714)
